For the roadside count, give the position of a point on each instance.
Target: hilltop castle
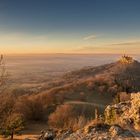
(126, 59)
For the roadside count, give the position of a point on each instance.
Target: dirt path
(22, 137)
(32, 131)
(86, 103)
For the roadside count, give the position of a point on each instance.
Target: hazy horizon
(121, 54)
(43, 66)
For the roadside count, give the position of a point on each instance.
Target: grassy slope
(73, 86)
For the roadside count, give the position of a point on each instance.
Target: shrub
(77, 123)
(31, 107)
(121, 97)
(61, 117)
(6, 106)
(13, 124)
(37, 107)
(69, 116)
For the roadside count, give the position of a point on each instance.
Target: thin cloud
(90, 37)
(87, 48)
(126, 43)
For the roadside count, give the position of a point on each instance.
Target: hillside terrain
(70, 101)
(97, 85)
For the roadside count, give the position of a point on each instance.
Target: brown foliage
(68, 116)
(31, 107)
(36, 107)
(6, 106)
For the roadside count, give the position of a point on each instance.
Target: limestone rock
(125, 113)
(115, 130)
(47, 135)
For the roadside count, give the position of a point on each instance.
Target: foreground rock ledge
(121, 122)
(125, 113)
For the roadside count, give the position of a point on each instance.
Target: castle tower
(126, 59)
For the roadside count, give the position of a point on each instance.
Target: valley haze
(50, 65)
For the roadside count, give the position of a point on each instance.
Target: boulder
(125, 113)
(48, 135)
(115, 130)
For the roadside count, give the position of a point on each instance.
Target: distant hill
(98, 84)
(113, 69)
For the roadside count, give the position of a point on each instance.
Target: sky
(70, 26)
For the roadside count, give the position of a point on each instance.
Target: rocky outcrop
(115, 130)
(47, 135)
(135, 110)
(120, 121)
(125, 113)
(98, 131)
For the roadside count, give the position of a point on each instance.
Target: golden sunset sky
(85, 26)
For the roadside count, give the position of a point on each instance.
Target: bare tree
(3, 74)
